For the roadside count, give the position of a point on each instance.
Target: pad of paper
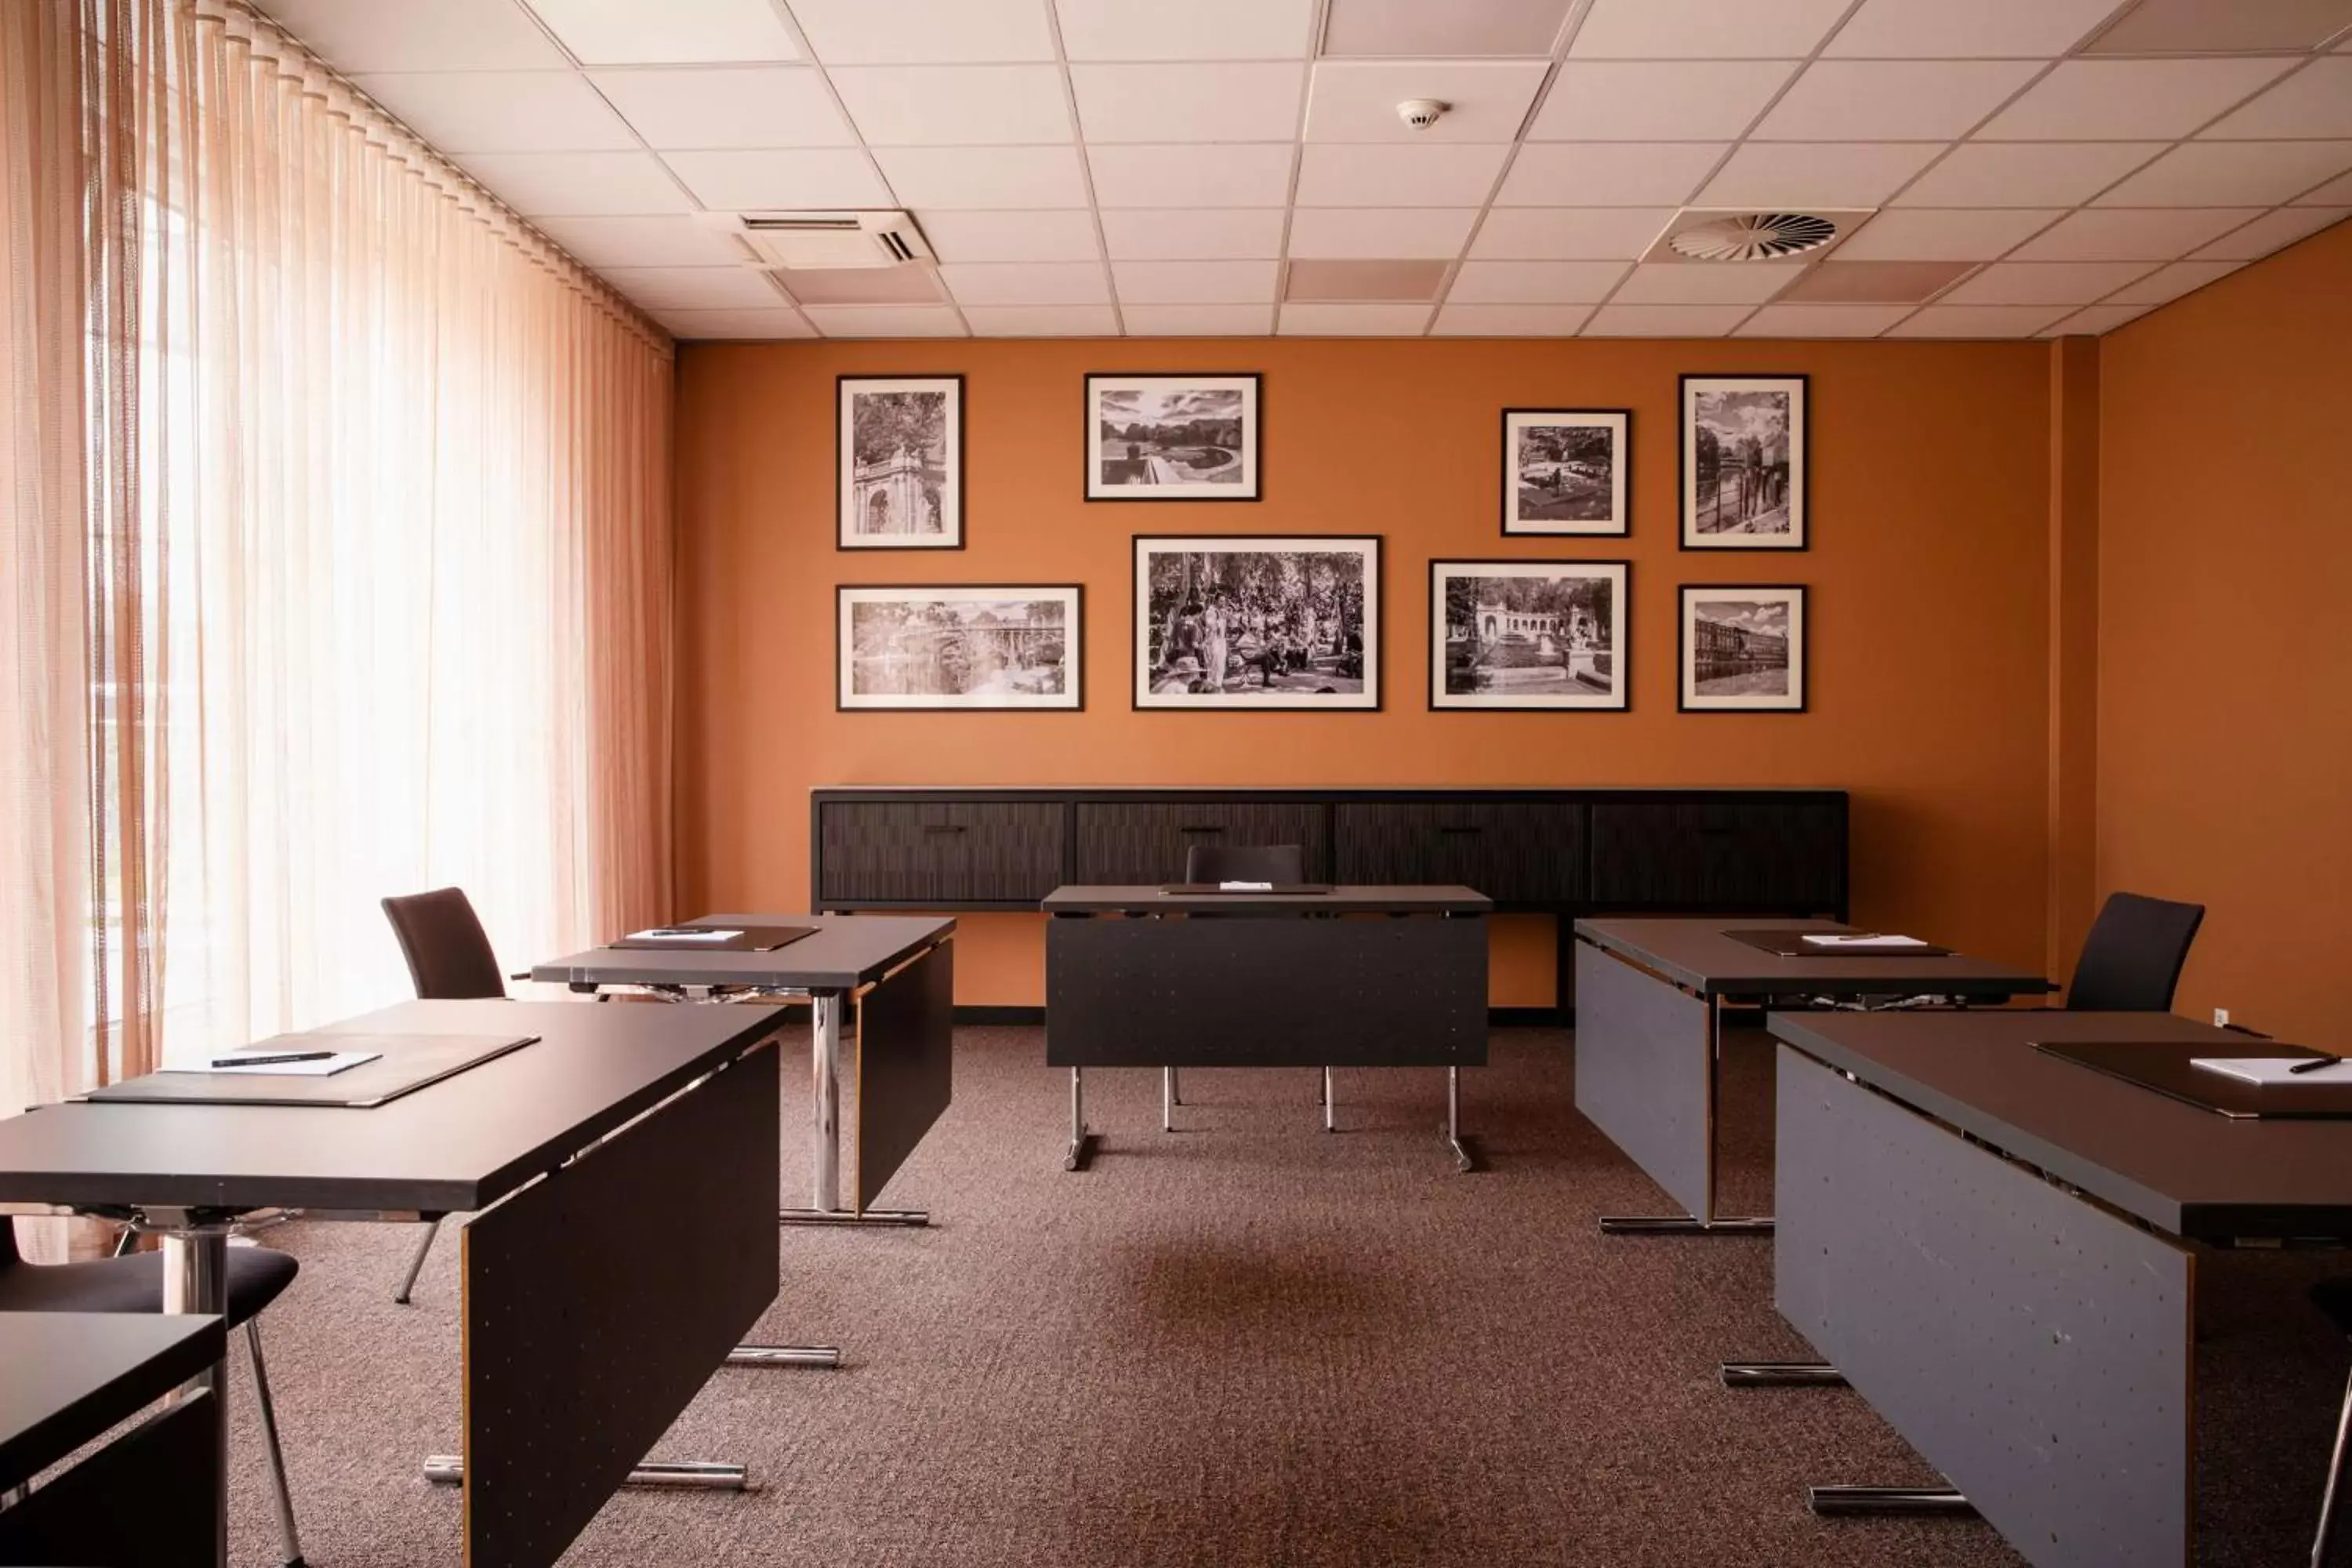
(1245, 887)
(2273, 1071)
(1845, 938)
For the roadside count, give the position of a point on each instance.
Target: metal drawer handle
(1449, 828)
(943, 827)
(1214, 829)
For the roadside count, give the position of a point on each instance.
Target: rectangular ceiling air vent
(826, 240)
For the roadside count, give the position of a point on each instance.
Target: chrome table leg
(825, 1062)
(1329, 1124)
(784, 1355)
(1780, 1374)
(1934, 1503)
(1451, 1131)
(449, 1470)
(195, 1279)
(416, 1263)
(1082, 1143)
(289, 1542)
(1168, 1100)
(1682, 1225)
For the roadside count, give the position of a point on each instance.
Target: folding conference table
(1344, 976)
(1997, 1248)
(1650, 999)
(617, 1122)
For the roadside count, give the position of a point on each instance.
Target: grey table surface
(73, 1375)
(1343, 898)
(1696, 953)
(848, 951)
(2183, 1169)
(458, 1144)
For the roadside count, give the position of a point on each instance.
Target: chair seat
(257, 1277)
(2334, 1297)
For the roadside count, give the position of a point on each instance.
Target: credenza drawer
(1719, 856)
(1146, 841)
(949, 853)
(1514, 852)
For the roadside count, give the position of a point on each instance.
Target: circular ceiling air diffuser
(1754, 236)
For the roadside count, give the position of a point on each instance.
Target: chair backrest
(1245, 863)
(449, 954)
(2131, 961)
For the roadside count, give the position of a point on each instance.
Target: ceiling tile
(1408, 232)
(2271, 232)
(1026, 284)
(925, 31)
(1816, 174)
(1534, 282)
(675, 241)
(1977, 322)
(2315, 102)
(1365, 176)
(2135, 234)
(958, 178)
(1355, 101)
(864, 286)
(1011, 235)
(1353, 321)
(2026, 174)
(1568, 234)
(1623, 173)
(1509, 320)
(1981, 30)
(1417, 29)
(954, 106)
(1655, 100)
(1841, 282)
(1196, 282)
(419, 35)
(1197, 30)
(1338, 282)
(695, 287)
(1944, 234)
(677, 32)
(2115, 100)
(1665, 320)
(886, 320)
(1704, 29)
(2168, 283)
(768, 106)
(2092, 320)
(1043, 320)
(1254, 101)
(578, 185)
(2203, 27)
(1248, 175)
(820, 178)
(1193, 234)
(723, 324)
(1706, 282)
(501, 111)
(1892, 101)
(2334, 193)
(2231, 173)
(1198, 320)
(1822, 321)
(2047, 282)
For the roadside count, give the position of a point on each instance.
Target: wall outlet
(2220, 1018)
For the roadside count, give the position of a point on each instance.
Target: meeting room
(1275, 783)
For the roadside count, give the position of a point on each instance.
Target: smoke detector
(1710, 235)
(1420, 113)
(825, 239)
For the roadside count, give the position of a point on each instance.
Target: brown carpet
(1244, 1343)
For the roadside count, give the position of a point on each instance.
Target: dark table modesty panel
(1994, 1246)
(618, 1120)
(1562, 852)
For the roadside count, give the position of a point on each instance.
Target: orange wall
(1929, 613)
(2225, 598)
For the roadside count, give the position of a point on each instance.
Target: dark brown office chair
(1239, 863)
(2131, 961)
(449, 958)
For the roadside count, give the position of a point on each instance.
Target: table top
(72, 1375)
(1343, 898)
(1696, 953)
(848, 951)
(460, 1144)
(2183, 1169)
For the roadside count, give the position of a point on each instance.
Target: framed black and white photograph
(1743, 649)
(1252, 624)
(1528, 635)
(1743, 462)
(1172, 438)
(980, 647)
(1565, 471)
(898, 474)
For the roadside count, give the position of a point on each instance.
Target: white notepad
(1833, 940)
(1245, 887)
(325, 1066)
(663, 933)
(2273, 1071)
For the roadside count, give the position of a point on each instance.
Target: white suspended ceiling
(1150, 167)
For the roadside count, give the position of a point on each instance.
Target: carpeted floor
(1243, 1344)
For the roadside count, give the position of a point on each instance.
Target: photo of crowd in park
(1535, 635)
(957, 647)
(1257, 623)
(1171, 438)
(1743, 462)
(1564, 472)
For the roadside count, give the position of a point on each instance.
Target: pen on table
(2315, 1064)
(274, 1058)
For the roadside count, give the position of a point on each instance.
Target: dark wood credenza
(1562, 852)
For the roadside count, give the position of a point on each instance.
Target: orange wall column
(2074, 769)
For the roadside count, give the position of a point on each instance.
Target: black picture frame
(1800, 650)
(846, 535)
(1373, 698)
(1619, 423)
(1250, 485)
(1072, 702)
(1797, 485)
(1621, 651)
